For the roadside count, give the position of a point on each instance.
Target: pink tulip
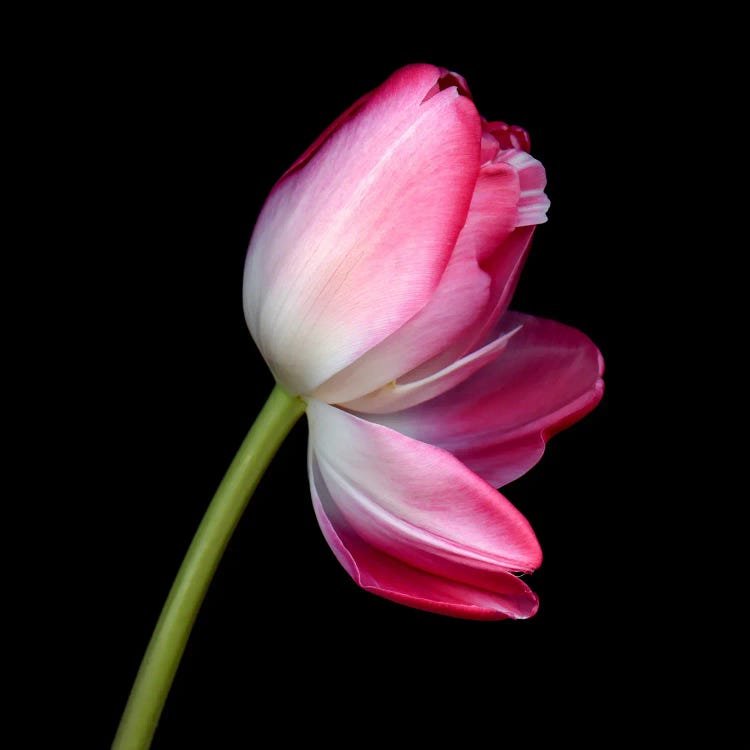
(377, 286)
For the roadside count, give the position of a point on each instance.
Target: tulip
(376, 286)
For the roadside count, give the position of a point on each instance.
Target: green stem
(162, 657)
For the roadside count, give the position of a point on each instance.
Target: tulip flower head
(377, 286)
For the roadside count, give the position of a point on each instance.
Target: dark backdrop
(177, 139)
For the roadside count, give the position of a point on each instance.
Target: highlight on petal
(352, 243)
(409, 522)
(498, 421)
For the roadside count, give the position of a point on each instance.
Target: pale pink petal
(405, 394)
(353, 242)
(416, 502)
(533, 202)
(457, 305)
(502, 595)
(498, 421)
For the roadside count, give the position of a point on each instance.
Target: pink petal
(499, 227)
(493, 214)
(502, 596)
(453, 312)
(416, 502)
(492, 217)
(354, 240)
(505, 265)
(498, 421)
(405, 394)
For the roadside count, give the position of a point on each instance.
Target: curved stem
(167, 644)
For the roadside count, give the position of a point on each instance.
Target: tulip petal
(501, 234)
(406, 393)
(505, 270)
(458, 303)
(416, 502)
(353, 242)
(498, 421)
(503, 596)
(533, 203)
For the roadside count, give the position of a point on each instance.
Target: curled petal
(354, 240)
(502, 596)
(533, 203)
(498, 421)
(414, 502)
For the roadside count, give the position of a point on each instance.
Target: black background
(168, 143)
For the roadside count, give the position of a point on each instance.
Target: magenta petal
(417, 505)
(506, 595)
(498, 421)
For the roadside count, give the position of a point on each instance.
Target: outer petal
(414, 503)
(353, 242)
(502, 241)
(458, 303)
(498, 421)
(503, 596)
